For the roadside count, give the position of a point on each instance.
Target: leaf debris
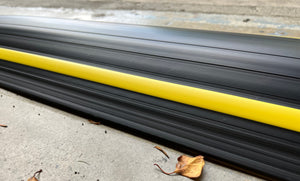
(190, 167)
(33, 178)
(3, 125)
(161, 150)
(94, 122)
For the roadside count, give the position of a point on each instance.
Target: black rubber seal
(258, 67)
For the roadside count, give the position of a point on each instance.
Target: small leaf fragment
(94, 122)
(190, 167)
(3, 125)
(33, 178)
(161, 150)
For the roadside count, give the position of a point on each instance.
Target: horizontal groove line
(277, 75)
(155, 40)
(206, 135)
(294, 78)
(268, 113)
(211, 86)
(216, 140)
(136, 102)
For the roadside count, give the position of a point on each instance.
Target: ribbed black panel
(263, 68)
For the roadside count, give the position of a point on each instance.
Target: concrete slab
(68, 147)
(252, 24)
(290, 8)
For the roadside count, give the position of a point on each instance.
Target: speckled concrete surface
(252, 24)
(288, 8)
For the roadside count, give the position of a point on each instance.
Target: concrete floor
(288, 8)
(42, 137)
(262, 17)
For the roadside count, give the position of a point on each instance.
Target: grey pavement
(267, 23)
(287, 8)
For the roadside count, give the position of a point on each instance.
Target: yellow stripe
(268, 113)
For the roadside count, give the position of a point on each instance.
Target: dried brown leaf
(190, 167)
(3, 125)
(94, 122)
(33, 178)
(161, 150)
